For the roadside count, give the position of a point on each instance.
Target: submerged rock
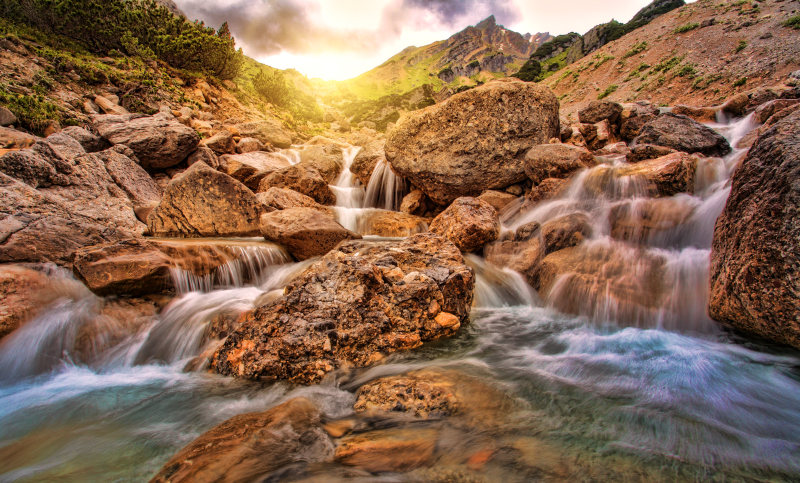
(305, 232)
(755, 256)
(204, 202)
(683, 134)
(357, 303)
(470, 223)
(250, 446)
(473, 141)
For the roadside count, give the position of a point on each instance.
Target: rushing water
(662, 394)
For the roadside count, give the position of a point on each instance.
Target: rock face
(303, 179)
(204, 202)
(755, 255)
(250, 446)
(683, 134)
(305, 232)
(555, 161)
(469, 223)
(473, 141)
(357, 303)
(158, 141)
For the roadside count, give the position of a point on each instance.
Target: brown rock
(109, 107)
(414, 203)
(204, 155)
(13, 139)
(305, 232)
(547, 189)
(250, 446)
(642, 152)
(765, 111)
(565, 231)
(325, 158)
(20, 296)
(699, 114)
(391, 224)
(303, 179)
(683, 134)
(613, 150)
(204, 202)
(283, 199)
(522, 254)
(90, 142)
(388, 450)
(473, 141)
(555, 161)
(648, 220)
(159, 141)
(221, 143)
(269, 131)
(367, 158)
(736, 105)
(357, 302)
(250, 168)
(142, 190)
(633, 127)
(469, 223)
(754, 255)
(598, 111)
(497, 199)
(248, 145)
(665, 176)
(7, 118)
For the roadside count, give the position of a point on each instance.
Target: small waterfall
(499, 287)
(385, 189)
(292, 156)
(348, 190)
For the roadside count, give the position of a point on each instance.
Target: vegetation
(560, 42)
(608, 91)
(530, 71)
(274, 87)
(793, 22)
(667, 64)
(740, 82)
(636, 49)
(140, 28)
(687, 70)
(686, 27)
(34, 112)
(742, 45)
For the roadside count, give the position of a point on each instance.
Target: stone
(90, 142)
(7, 118)
(565, 232)
(204, 155)
(642, 152)
(109, 107)
(13, 139)
(598, 111)
(359, 302)
(248, 145)
(251, 168)
(391, 224)
(203, 202)
(497, 199)
(555, 161)
(221, 143)
(268, 131)
(367, 158)
(249, 447)
(766, 110)
(665, 176)
(754, 254)
(699, 114)
(283, 199)
(65, 146)
(650, 220)
(388, 450)
(159, 141)
(473, 141)
(305, 232)
(325, 158)
(414, 203)
(20, 296)
(141, 189)
(683, 134)
(469, 223)
(547, 189)
(632, 127)
(736, 105)
(303, 179)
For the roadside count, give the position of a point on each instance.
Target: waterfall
(385, 189)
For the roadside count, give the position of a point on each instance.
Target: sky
(340, 39)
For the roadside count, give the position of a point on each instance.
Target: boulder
(664, 176)
(736, 105)
(305, 232)
(249, 447)
(598, 111)
(7, 118)
(555, 161)
(325, 158)
(565, 231)
(159, 141)
(301, 178)
(268, 131)
(141, 189)
(248, 145)
(414, 203)
(683, 134)
(20, 296)
(642, 152)
(357, 303)
(65, 146)
(89, 141)
(497, 199)
(649, 220)
(204, 202)
(389, 450)
(469, 223)
(204, 155)
(391, 224)
(221, 143)
(108, 106)
(473, 141)
(755, 255)
(547, 189)
(367, 158)
(632, 127)
(765, 111)
(699, 114)
(13, 139)
(250, 168)
(283, 199)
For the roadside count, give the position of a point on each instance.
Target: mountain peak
(487, 23)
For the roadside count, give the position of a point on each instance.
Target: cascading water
(626, 389)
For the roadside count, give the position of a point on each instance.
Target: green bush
(33, 111)
(636, 49)
(529, 71)
(274, 88)
(740, 82)
(793, 22)
(742, 45)
(608, 91)
(136, 27)
(687, 27)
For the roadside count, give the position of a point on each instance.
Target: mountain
(475, 54)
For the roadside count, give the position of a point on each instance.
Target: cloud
(451, 12)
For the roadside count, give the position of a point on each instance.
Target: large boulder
(555, 161)
(283, 199)
(598, 111)
(473, 141)
(755, 254)
(159, 141)
(250, 168)
(301, 178)
(268, 131)
(469, 223)
(249, 447)
(683, 134)
(325, 158)
(204, 202)
(141, 189)
(91, 142)
(350, 308)
(305, 232)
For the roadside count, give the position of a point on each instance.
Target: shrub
(793, 22)
(530, 71)
(687, 27)
(33, 111)
(687, 70)
(636, 49)
(608, 91)
(742, 45)
(740, 82)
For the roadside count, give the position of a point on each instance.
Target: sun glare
(329, 66)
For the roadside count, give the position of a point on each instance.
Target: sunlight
(329, 66)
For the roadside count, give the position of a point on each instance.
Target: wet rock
(547, 189)
(357, 303)
(250, 446)
(522, 254)
(283, 199)
(699, 114)
(736, 105)
(20, 296)
(303, 179)
(612, 151)
(414, 203)
(598, 111)
(367, 158)
(683, 134)
(268, 131)
(765, 111)
(469, 223)
(389, 450)
(473, 141)
(642, 152)
(648, 219)
(754, 255)
(664, 176)
(555, 161)
(565, 231)
(392, 224)
(204, 202)
(221, 143)
(305, 232)
(779, 115)
(251, 168)
(248, 145)
(159, 141)
(497, 199)
(90, 142)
